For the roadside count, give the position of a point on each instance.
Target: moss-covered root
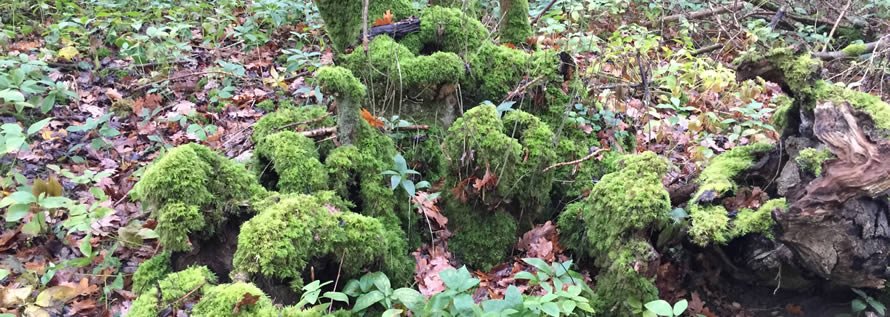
(515, 26)
(174, 286)
(192, 189)
(290, 160)
(221, 300)
(622, 204)
(343, 18)
(284, 236)
(717, 178)
(348, 92)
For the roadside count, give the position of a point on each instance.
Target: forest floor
(93, 91)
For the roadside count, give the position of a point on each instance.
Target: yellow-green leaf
(54, 295)
(68, 53)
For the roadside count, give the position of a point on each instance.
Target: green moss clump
(284, 236)
(267, 105)
(343, 18)
(515, 26)
(286, 117)
(192, 189)
(173, 287)
(496, 70)
(481, 239)
(393, 62)
(709, 224)
(784, 106)
(605, 227)
(451, 30)
(340, 81)
(811, 159)
(854, 50)
(723, 168)
(288, 161)
(760, 220)
(153, 269)
(220, 300)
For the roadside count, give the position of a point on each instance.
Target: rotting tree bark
(396, 30)
(838, 229)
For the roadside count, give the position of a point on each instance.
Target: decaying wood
(318, 132)
(869, 47)
(395, 30)
(697, 14)
(839, 228)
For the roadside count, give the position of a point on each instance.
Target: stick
(522, 88)
(616, 85)
(318, 132)
(697, 14)
(827, 56)
(413, 127)
(592, 154)
(547, 8)
(836, 22)
(707, 49)
(365, 24)
(181, 77)
(777, 17)
(337, 280)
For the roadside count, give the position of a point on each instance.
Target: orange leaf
(372, 120)
(387, 19)
(510, 45)
(247, 300)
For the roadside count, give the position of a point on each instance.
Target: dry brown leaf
(372, 120)
(428, 207)
(387, 19)
(113, 94)
(247, 300)
(489, 180)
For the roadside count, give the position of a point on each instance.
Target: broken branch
(592, 154)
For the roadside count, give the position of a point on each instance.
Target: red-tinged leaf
(510, 45)
(387, 19)
(247, 300)
(428, 207)
(489, 180)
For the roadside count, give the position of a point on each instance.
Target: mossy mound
(609, 226)
(173, 287)
(288, 117)
(289, 162)
(515, 150)
(150, 271)
(192, 190)
(220, 300)
(515, 26)
(481, 239)
(712, 223)
(285, 235)
(343, 18)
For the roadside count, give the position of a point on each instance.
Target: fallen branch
(413, 127)
(836, 22)
(708, 49)
(183, 76)
(616, 85)
(547, 8)
(521, 88)
(318, 132)
(395, 30)
(697, 14)
(777, 17)
(869, 47)
(592, 154)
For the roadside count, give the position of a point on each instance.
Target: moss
(784, 106)
(717, 177)
(220, 300)
(343, 18)
(172, 288)
(290, 162)
(481, 239)
(392, 62)
(854, 50)
(760, 220)
(470, 7)
(267, 105)
(811, 159)
(709, 224)
(871, 104)
(425, 154)
(192, 189)
(605, 227)
(287, 117)
(515, 26)
(153, 269)
(495, 71)
(284, 236)
(451, 30)
(538, 153)
(340, 81)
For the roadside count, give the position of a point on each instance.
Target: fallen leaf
(371, 119)
(67, 53)
(113, 94)
(247, 300)
(428, 207)
(387, 19)
(489, 180)
(55, 295)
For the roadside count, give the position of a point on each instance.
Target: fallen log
(396, 30)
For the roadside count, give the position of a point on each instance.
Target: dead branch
(777, 17)
(547, 8)
(697, 14)
(318, 132)
(708, 49)
(395, 30)
(519, 90)
(836, 22)
(365, 24)
(589, 156)
(869, 47)
(413, 127)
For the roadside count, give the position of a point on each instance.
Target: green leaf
(858, 305)
(409, 187)
(660, 307)
(3, 274)
(411, 298)
(401, 164)
(392, 312)
(352, 288)
(37, 126)
(366, 300)
(876, 305)
(525, 275)
(32, 228)
(463, 302)
(541, 265)
(680, 307)
(85, 247)
(23, 197)
(16, 212)
(394, 181)
(337, 296)
(11, 95)
(381, 282)
(551, 309)
(649, 313)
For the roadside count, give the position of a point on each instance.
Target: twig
(592, 154)
(697, 14)
(522, 88)
(616, 85)
(644, 78)
(836, 22)
(547, 8)
(173, 304)
(707, 49)
(413, 127)
(318, 132)
(337, 280)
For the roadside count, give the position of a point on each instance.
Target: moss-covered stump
(836, 221)
(289, 162)
(612, 225)
(292, 231)
(514, 25)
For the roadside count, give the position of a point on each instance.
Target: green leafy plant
(375, 288)
(505, 106)
(658, 307)
(401, 176)
(311, 294)
(864, 302)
